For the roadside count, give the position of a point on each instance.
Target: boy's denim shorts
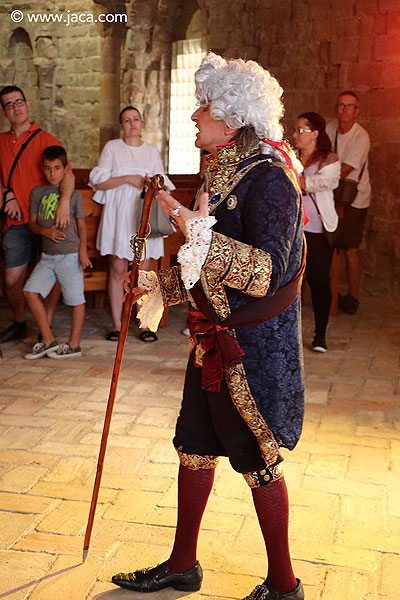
(64, 268)
(19, 246)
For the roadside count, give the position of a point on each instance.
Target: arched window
(184, 157)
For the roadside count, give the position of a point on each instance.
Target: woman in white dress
(118, 180)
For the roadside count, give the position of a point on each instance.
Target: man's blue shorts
(19, 246)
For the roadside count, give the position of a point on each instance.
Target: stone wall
(58, 67)
(317, 49)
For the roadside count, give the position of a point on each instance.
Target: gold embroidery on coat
(225, 188)
(223, 166)
(198, 359)
(219, 255)
(244, 402)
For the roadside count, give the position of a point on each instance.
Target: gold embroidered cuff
(262, 270)
(172, 289)
(220, 254)
(239, 265)
(196, 461)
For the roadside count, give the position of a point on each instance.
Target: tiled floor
(343, 477)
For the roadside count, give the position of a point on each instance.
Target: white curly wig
(242, 94)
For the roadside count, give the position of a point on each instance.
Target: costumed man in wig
(240, 267)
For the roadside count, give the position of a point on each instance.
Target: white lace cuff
(151, 303)
(193, 253)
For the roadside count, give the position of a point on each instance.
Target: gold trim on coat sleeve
(172, 289)
(239, 265)
(219, 256)
(262, 270)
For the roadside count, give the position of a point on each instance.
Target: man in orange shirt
(17, 242)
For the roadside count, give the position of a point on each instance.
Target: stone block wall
(58, 67)
(317, 49)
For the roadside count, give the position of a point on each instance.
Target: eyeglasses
(11, 105)
(342, 106)
(301, 130)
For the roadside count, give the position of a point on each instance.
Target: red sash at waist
(220, 348)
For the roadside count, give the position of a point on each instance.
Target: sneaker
(348, 304)
(41, 349)
(319, 344)
(16, 331)
(66, 351)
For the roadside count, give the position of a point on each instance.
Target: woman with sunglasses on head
(320, 177)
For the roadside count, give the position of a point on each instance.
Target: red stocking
(194, 487)
(272, 506)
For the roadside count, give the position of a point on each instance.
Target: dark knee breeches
(209, 425)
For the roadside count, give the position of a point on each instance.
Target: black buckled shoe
(266, 591)
(160, 577)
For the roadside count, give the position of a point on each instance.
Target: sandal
(113, 336)
(148, 336)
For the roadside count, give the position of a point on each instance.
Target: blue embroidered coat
(256, 248)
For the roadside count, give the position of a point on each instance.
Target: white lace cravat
(193, 253)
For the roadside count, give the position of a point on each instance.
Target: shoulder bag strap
(16, 159)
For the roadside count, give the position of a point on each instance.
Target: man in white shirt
(351, 142)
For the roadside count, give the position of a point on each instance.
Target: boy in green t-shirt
(63, 258)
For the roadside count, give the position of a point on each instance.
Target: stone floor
(343, 476)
